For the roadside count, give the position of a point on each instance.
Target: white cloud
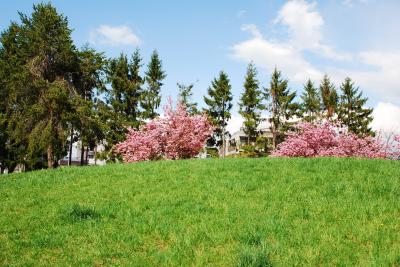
(380, 72)
(386, 118)
(268, 55)
(383, 78)
(350, 3)
(114, 36)
(303, 21)
(305, 28)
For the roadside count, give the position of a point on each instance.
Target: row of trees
(347, 106)
(53, 94)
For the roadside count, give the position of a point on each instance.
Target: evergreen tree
(124, 98)
(185, 95)
(219, 104)
(281, 106)
(89, 82)
(251, 104)
(329, 97)
(151, 97)
(352, 111)
(41, 85)
(126, 88)
(311, 102)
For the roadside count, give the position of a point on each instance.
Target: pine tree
(126, 88)
(311, 102)
(329, 97)
(219, 102)
(281, 106)
(41, 86)
(251, 104)
(352, 111)
(151, 97)
(89, 82)
(185, 95)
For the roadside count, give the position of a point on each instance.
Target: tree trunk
(70, 147)
(82, 154)
(50, 157)
(87, 156)
(223, 142)
(95, 155)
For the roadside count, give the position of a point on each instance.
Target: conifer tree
(329, 97)
(185, 95)
(151, 97)
(250, 104)
(219, 104)
(352, 111)
(89, 82)
(124, 98)
(311, 102)
(41, 86)
(281, 106)
(126, 88)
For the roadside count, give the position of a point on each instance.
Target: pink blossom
(176, 136)
(323, 139)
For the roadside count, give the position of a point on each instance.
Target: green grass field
(232, 212)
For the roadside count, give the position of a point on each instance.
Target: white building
(90, 156)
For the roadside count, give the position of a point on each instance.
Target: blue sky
(197, 39)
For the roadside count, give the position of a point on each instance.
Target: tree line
(53, 94)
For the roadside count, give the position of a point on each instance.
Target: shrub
(326, 139)
(178, 135)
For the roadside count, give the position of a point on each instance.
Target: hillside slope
(232, 212)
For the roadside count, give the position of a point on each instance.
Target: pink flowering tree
(326, 139)
(178, 135)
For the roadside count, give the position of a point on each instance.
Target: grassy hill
(232, 212)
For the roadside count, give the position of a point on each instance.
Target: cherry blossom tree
(321, 139)
(177, 135)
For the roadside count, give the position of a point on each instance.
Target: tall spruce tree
(219, 104)
(352, 111)
(311, 102)
(329, 97)
(126, 88)
(250, 104)
(41, 86)
(124, 97)
(89, 82)
(151, 97)
(281, 106)
(185, 95)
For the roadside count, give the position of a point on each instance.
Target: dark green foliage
(49, 90)
(253, 257)
(352, 111)
(81, 213)
(126, 88)
(151, 96)
(311, 102)
(219, 104)
(329, 97)
(281, 106)
(185, 95)
(250, 104)
(41, 60)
